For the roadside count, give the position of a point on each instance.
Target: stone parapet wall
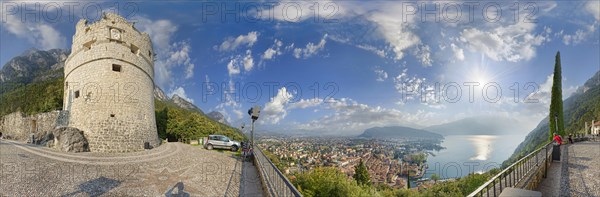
(19, 127)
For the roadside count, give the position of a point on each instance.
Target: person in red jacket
(557, 138)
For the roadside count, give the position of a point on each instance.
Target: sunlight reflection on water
(483, 145)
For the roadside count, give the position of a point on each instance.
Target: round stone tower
(109, 83)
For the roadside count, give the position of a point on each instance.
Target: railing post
(546, 163)
(500, 183)
(494, 186)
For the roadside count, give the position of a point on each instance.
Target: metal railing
(520, 174)
(273, 181)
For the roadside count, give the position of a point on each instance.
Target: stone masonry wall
(19, 127)
(109, 84)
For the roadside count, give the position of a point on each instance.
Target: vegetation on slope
(33, 98)
(177, 124)
(328, 181)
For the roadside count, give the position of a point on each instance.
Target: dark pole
(556, 122)
(252, 136)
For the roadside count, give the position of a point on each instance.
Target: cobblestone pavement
(577, 174)
(171, 168)
(584, 169)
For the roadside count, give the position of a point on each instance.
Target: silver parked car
(221, 142)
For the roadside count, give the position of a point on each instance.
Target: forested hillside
(582, 106)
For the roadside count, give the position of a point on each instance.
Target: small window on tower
(77, 94)
(116, 68)
(134, 49)
(88, 45)
(112, 115)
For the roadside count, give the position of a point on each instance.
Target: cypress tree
(361, 174)
(556, 104)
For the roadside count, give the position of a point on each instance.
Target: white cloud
(593, 7)
(379, 52)
(381, 75)
(306, 103)
(414, 88)
(408, 87)
(248, 61)
(160, 31)
(40, 34)
(310, 49)
(423, 54)
(233, 67)
(352, 118)
(273, 51)
(580, 35)
(179, 91)
(180, 55)
(275, 110)
(231, 44)
(539, 101)
(510, 43)
(169, 54)
(395, 28)
(459, 54)
(208, 87)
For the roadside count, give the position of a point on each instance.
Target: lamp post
(556, 148)
(254, 112)
(556, 122)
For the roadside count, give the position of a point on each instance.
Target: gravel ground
(584, 169)
(578, 172)
(171, 168)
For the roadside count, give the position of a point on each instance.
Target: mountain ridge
(398, 132)
(581, 106)
(480, 125)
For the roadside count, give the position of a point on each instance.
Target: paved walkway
(251, 185)
(577, 173)
(550, 186)
(172, 169)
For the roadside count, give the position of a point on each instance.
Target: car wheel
(234, 148)
(209, 147)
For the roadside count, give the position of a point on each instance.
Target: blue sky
(350, 65)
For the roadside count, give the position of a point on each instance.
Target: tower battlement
(111, 37)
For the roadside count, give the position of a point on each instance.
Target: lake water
(465, 154)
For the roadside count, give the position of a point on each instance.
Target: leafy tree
(435, 177)
(419, 158)
(361, 174)
(556, 104)
(33, 98)
(178, 124)
(330, 182)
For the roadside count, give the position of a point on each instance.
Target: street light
(556, 122)
(254, 112)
